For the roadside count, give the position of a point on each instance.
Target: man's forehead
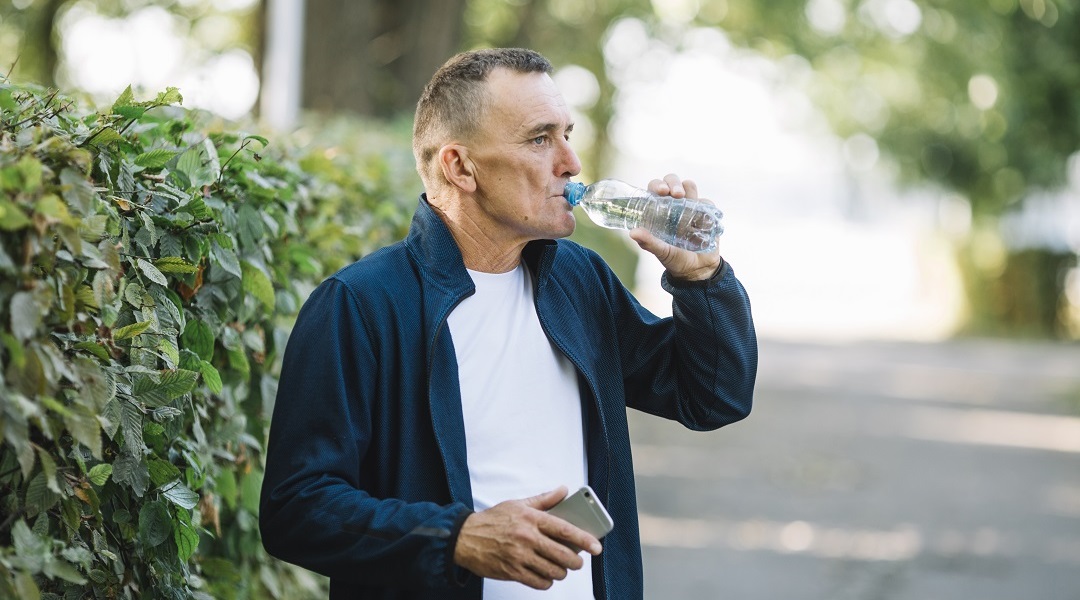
(530, 100)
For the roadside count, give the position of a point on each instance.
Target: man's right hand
(517, 540)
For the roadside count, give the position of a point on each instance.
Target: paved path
(874, 471)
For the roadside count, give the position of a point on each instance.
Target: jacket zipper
(596, 402)
(431, 413)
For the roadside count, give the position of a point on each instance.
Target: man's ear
(457, 167)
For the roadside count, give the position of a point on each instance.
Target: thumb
(546, 500)
(651, 244)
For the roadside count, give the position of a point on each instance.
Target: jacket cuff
(456, 575)
(668, 281)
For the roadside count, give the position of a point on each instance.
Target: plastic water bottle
(681, 222)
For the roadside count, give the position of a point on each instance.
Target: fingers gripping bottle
(681, 222)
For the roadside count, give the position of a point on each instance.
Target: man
(439, 395)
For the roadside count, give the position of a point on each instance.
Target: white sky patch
(895, 18)
(146, 50)
(825, 246)
(578, 86)
(983, 91)
(826, 16)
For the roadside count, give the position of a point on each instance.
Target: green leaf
(175, 264)
(155, 526)
(256, 283)
(127, 98)
(238, 361)
(199, 338)
(250, 226)
(171, 95)
(211, 377)
(58, 567)
(155, 159)
(106, 136)
(132, 471)
(146, 236)
(26, 542)
(226, 259)
(169, 350)
(131, 419)
(225, 486)
(48, 468)
(187, 541)
(94, 348)
(180, 495)
(99, 474)
(152, 273)
(163, 471)
(92, 228)
(97, 385)
(135, 294)
(25, 315)
(250, 490)
(77, 191)
(39, 498)
(30, 169)
(169, 386)
(83, 425)
(25, 587)
(110, 417)
(130, 331)
(164, 413)
(12, 218)
(17, 436)
(52, 207)
(200, 164)
(130, 112)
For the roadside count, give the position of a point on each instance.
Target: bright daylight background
(828, 247)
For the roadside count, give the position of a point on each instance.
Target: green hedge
(152, 260)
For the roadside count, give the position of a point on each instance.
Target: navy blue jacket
(366, 475)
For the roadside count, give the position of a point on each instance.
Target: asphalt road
(874, 471)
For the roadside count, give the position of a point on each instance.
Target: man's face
(523, 158)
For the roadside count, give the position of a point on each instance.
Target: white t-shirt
(522, 410)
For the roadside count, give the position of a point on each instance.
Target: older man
(439, 395)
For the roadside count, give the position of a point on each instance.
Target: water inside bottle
(670, 219)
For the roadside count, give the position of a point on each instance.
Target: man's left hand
(680, 264)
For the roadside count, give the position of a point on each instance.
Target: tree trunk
(38, 51)
(373, 57)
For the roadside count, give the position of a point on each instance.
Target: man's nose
(568, 163)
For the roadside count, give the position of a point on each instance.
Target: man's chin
(572, 227)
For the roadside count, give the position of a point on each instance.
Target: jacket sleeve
(313, 510)
(698, 367)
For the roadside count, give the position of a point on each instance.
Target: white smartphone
(583, 510)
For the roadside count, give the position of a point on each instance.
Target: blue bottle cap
(574, 191)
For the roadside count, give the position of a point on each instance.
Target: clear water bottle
(681, 222)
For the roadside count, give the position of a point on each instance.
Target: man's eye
(539, 141)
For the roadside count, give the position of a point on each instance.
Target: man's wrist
(702, 275)
(458, 575)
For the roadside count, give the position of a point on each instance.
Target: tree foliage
(151, 261)
(981, 97)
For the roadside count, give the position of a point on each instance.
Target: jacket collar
(439, 259)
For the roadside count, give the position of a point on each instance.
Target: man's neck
(479, 249)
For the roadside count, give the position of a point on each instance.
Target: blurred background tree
(981, 98)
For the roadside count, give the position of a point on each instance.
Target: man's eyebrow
(547, 128)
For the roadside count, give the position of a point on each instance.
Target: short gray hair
(454, 101)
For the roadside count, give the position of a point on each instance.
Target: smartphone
(583, 510)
